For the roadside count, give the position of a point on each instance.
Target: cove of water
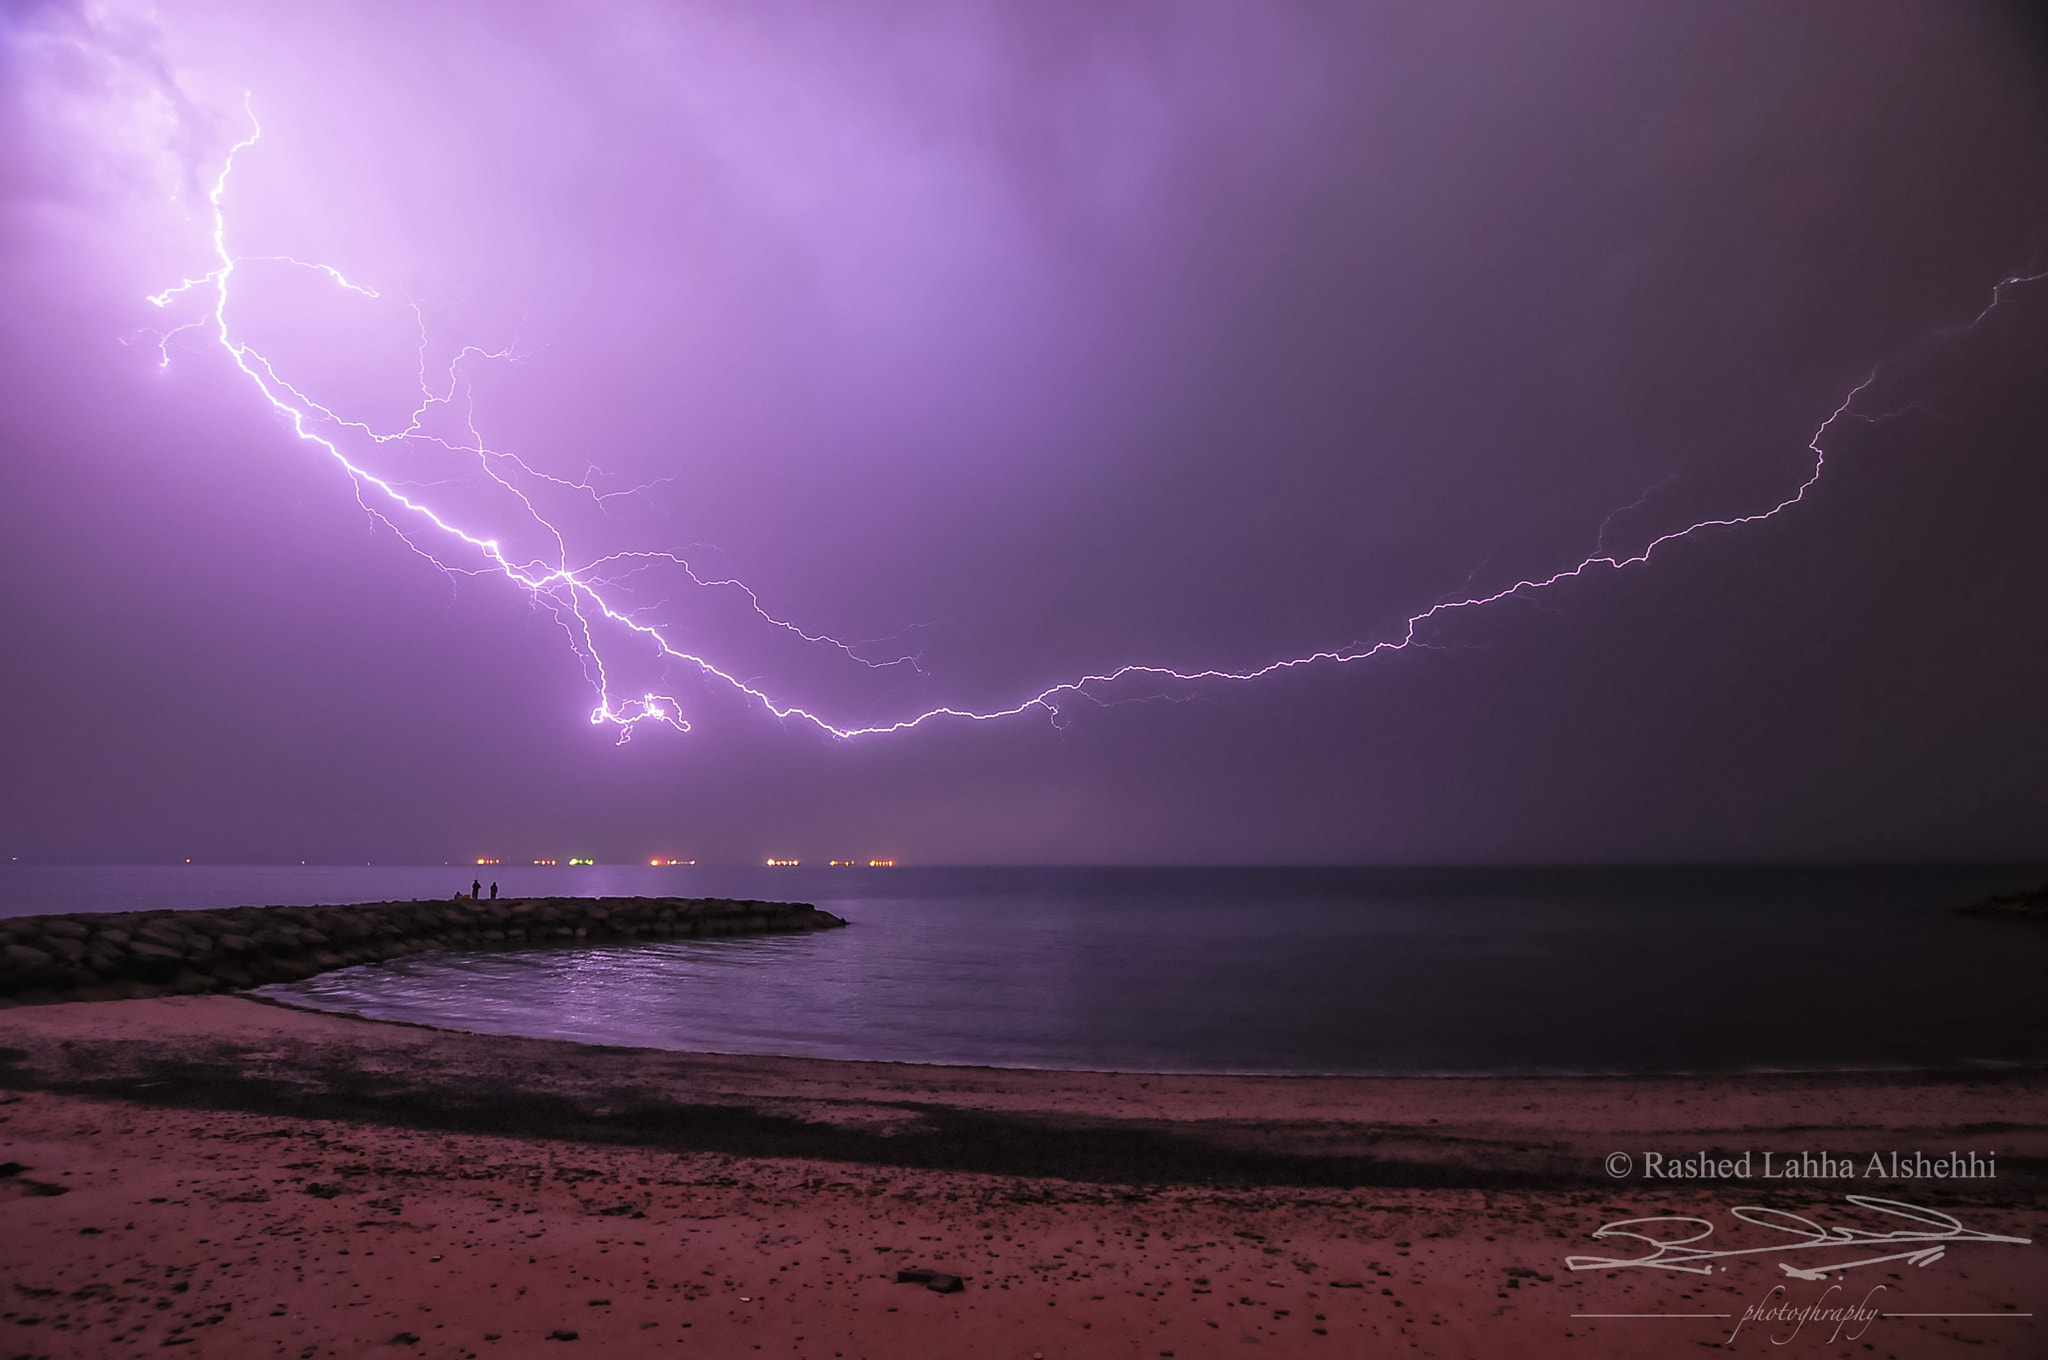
(1397, 971)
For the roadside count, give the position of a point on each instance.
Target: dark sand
(271, 1182)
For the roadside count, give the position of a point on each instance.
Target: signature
(1931, 1234)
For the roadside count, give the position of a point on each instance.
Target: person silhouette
(494, 892)
(476, 890)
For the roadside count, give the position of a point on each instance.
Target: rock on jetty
(92, 956)
(2028, 904)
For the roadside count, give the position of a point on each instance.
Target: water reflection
(1655, 972)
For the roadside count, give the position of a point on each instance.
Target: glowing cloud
(586, 598)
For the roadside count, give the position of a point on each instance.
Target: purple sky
(1029, 341)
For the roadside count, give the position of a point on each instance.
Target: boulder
(938, 1281)
(26, 956)
(65, 947)
(161, 933)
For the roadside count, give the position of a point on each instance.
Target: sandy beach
(251, 1180)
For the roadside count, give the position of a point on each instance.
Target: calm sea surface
(1220, 970)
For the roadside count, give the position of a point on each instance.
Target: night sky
(1027, 341)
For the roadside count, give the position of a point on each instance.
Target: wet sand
(249, 1180)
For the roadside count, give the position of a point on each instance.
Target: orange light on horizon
(546, 863)
(784, 863)
(490, 861)
(670, 863)
(881, 864)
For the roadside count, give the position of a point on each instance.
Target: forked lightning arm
(579, 596)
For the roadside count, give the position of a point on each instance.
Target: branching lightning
(586, 599)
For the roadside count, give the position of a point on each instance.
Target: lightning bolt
(583, 598)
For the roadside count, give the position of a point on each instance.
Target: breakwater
(2031, 906)
(89, 956)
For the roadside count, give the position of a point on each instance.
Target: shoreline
(258, 1055)
(1957, 1071)
(323, 1184)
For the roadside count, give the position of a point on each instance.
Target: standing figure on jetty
(494, 892)
(476, 889)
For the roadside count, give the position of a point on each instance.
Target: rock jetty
(2033, 905)
(93, 956)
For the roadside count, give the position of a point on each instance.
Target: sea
(1375, 971)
